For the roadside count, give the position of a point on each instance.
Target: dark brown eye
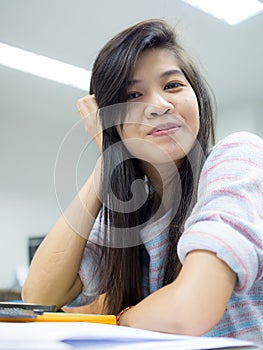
(133, 95)
(172, 85)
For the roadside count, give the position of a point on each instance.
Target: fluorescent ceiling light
(44, 67)
(231, 11)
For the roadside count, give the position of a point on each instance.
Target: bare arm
(193, 304)
(53, 275)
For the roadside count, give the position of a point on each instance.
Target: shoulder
(237, 147)
(238, 140)
(235, 160)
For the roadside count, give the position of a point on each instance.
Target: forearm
(164, 311)
(53, 275)
(193, 304)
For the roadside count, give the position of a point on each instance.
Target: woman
(177, 241)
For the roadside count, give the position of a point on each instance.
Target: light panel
(230, 11)
(44, 67)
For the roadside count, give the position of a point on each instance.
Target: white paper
(58, 335)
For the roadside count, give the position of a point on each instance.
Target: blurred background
(43, 157)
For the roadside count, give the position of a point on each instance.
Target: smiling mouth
(165, 129)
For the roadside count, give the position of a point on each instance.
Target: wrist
(120, 317)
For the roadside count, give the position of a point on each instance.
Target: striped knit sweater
(228, 220)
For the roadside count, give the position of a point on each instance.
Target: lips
(164, 129)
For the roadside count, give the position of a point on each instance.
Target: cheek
(191, 112)
(191, 101)
(135, 143)
(129, 131)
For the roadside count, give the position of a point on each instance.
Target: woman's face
(162, 122)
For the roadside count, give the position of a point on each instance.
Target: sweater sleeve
(228, 216)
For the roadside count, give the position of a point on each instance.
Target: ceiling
(73, 31)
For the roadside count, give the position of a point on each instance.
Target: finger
(87, 105)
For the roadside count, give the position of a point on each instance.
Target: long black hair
(121, 274)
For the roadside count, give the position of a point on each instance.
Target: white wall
(240, 116)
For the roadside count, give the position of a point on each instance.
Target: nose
(158, 106)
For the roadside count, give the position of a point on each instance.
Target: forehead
(159, 58)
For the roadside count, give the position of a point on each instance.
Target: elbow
(25, 293)
(49, 294)
(28, 295)
(33, 295)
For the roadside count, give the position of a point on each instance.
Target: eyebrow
(163, 75)
(172, 72)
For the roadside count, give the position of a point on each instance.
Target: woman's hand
(89, 111)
